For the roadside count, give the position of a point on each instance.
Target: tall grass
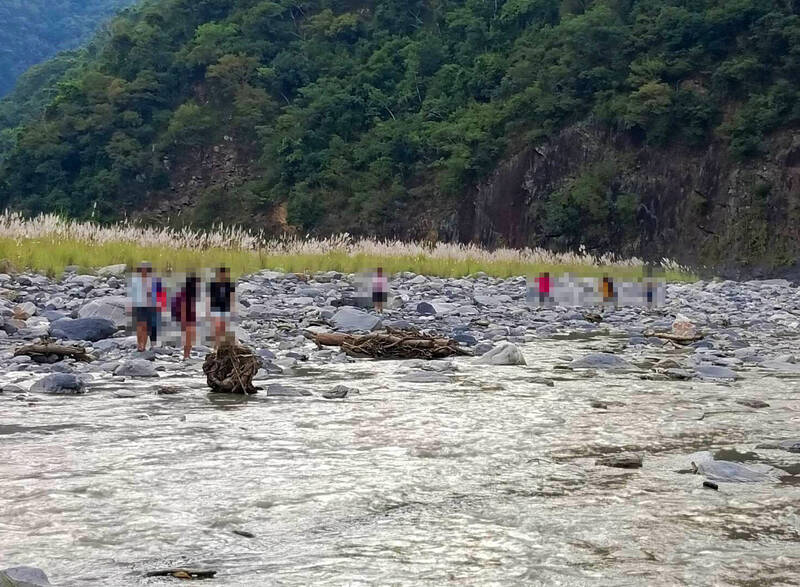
(49, 243)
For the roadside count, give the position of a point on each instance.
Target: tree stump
(231, 369)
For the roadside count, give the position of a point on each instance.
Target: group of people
(153, 298)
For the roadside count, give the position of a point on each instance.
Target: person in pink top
(380, 290)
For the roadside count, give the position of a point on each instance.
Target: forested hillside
(387, 116)
(34, 30)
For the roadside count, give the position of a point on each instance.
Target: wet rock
(625, 460)
(352, 320)
(752, 403)
(729, 472)
(60, 384)
(136, 368)
(91, 329)
(504, 354)
(792, 446)
(715, 372)
(338, 392)
(542, 381)
(11, 388)
(710, 485)
(23, 577)
(244, 533)
(278, 390)
(167, 390)
(600, 361)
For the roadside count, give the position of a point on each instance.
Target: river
(477, 475)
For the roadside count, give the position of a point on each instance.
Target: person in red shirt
(544, 287)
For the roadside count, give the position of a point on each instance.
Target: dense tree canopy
(352, 109)
(34, 30)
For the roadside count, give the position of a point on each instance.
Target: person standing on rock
(221, 298)
(184, 310)
(380, 290)
(544, 288)
(142, 304)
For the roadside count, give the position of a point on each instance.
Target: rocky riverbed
(571, 449)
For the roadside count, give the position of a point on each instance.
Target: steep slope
(35, 30)
(424, 119)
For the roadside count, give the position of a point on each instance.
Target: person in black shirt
(221, 301)
(186, 304)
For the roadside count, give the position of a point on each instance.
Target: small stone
(710, 485)
(752, 403)
(625, 460)
(338, 392)
(60, 384)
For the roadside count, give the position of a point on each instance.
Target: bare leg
(141, 335)
(188, 343)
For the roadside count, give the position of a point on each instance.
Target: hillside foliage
(35, 30)
(351, 111)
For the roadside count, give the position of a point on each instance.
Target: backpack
(177, 306)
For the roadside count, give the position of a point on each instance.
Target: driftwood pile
(48, 352)
(678, 338)
(392, 344)
(231, 369)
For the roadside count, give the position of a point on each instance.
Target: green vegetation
(34, 30)
(353, 113)
(52, 255)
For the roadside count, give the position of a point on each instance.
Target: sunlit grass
(50, 244)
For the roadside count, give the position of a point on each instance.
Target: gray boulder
(278, 390)
(504, 354)
(714, 372)
(352, 320)
(111, 308)
(625, 460)
(338, 392)
(113, 270)
(91, 329)
(600, 361)
(23, 577)
(787, 445)
(60, 384)
(136, 368)
(730, 472)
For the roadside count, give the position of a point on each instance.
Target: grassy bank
(49, 244)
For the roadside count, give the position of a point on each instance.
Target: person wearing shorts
(221, 295)
(380, 290)
(142, 304)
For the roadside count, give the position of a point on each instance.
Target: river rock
(752, 403)
(338, 392)
(504, 354)
(730, 472)
(625, 460)
(91, 329)
(113, 270)
(60, 384)
(714, 372)
(136, 368)
(23, 577)
(25, 310)
(600, 361)
(351, 320)
(787, 445)
(278, 390)
(111, 308)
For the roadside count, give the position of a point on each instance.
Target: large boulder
(91, 329)
(113, 270)
(24, 310)
(23, 577)
(600, 361)
(352, 320)
(504, 354)
(60, 384)
(110, 307)
(136, 368)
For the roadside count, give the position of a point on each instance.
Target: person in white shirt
(142, 303)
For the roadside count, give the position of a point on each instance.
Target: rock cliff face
(700, 207)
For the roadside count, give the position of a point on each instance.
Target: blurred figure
(142, 304)
(221, 299)
(380, 290)
(544, 282)
(158, 301)
(184, 311)
(607, 290)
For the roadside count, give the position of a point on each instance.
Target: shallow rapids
(475, 475)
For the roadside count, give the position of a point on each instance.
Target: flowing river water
(482, 475)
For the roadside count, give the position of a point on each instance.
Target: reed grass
(49, 244)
